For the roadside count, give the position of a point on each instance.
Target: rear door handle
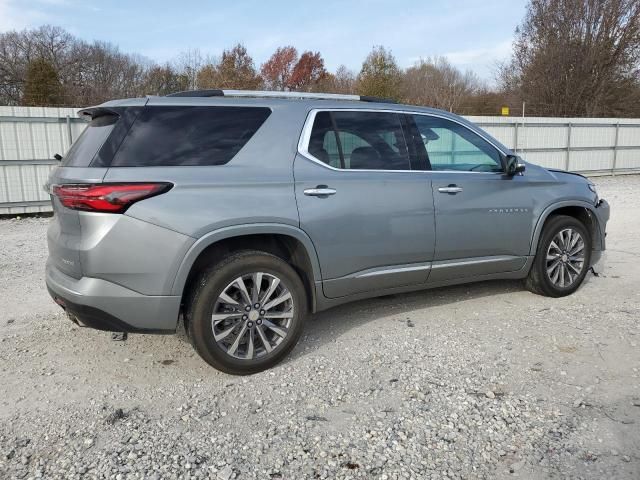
(452, 189)
(320, 191)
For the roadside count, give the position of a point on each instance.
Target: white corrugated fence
(30, 136)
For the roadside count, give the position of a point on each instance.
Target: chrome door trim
(461, 262)
(375, 272)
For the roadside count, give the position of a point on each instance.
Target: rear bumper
(103, 305)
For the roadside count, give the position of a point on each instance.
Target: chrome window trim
(305, 137)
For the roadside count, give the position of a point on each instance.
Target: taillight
(106, 197)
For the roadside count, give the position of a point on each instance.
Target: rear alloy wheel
(252, 315)
(247, 312)
(562, 259)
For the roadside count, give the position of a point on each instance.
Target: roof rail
(277, 94)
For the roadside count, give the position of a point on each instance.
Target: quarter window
(357, 140)
(169, 136)
(451, 146)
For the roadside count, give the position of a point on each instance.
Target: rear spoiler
(91, 113)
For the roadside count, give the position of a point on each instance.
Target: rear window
(89, 142)
(181, 136)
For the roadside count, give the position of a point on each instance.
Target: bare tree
(189, 63)
(577, 57)
(344, 80)
(437, 83)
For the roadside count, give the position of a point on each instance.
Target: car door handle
(320, 191)
(450, 189)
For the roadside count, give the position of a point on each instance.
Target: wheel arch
(285, 241)
(583, 211)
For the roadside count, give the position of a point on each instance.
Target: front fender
(237, 231)
(601, 222)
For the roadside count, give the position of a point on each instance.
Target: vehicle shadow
(326, 326)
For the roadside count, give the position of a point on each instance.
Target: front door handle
(320, 191)
(451, 189)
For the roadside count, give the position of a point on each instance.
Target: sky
(472, 34)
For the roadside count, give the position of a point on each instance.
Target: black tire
(205, 295)
(538, 280)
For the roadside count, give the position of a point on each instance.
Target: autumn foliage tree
(162, 80)
(235, 70)
(277, 71)
(380, 75)
(308, 73)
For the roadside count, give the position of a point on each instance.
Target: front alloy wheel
(565, 257)
(562, 258)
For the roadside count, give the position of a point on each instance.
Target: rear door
(483, 217)
(367, 210)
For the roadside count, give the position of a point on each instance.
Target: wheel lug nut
(250, 324)
(247, 308)
(244, 317)
(262, 312)
(259, 322)
(257, 305)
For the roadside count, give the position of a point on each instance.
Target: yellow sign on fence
(505, 111)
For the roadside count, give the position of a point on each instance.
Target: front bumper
(603, 212)
(103, 305)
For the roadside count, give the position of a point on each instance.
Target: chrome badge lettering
(508, 210)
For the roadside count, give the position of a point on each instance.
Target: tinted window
(89, 142)
(359, 140)
(168, 136)
(451, 146)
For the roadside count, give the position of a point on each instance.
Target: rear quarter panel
(256, 186)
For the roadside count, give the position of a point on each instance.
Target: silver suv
(245, 211)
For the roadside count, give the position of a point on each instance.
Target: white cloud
(476, 56)
(15, 16)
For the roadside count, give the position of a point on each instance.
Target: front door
(368, 211)
(483, 217)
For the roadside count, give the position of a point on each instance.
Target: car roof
(292, 102)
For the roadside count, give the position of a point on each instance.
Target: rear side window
(183, 136)
(89, 142)
(359, 140)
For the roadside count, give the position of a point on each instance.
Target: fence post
(566, 165)
(515, 137)
(69, 130)
(615, 149)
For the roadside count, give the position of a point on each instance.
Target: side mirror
(513, 165)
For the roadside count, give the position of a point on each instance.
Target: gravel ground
(476, 381)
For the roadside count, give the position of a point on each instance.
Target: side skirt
(324, 303)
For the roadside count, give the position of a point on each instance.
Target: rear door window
(357, 140)
(188, 136)
(89, 142)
